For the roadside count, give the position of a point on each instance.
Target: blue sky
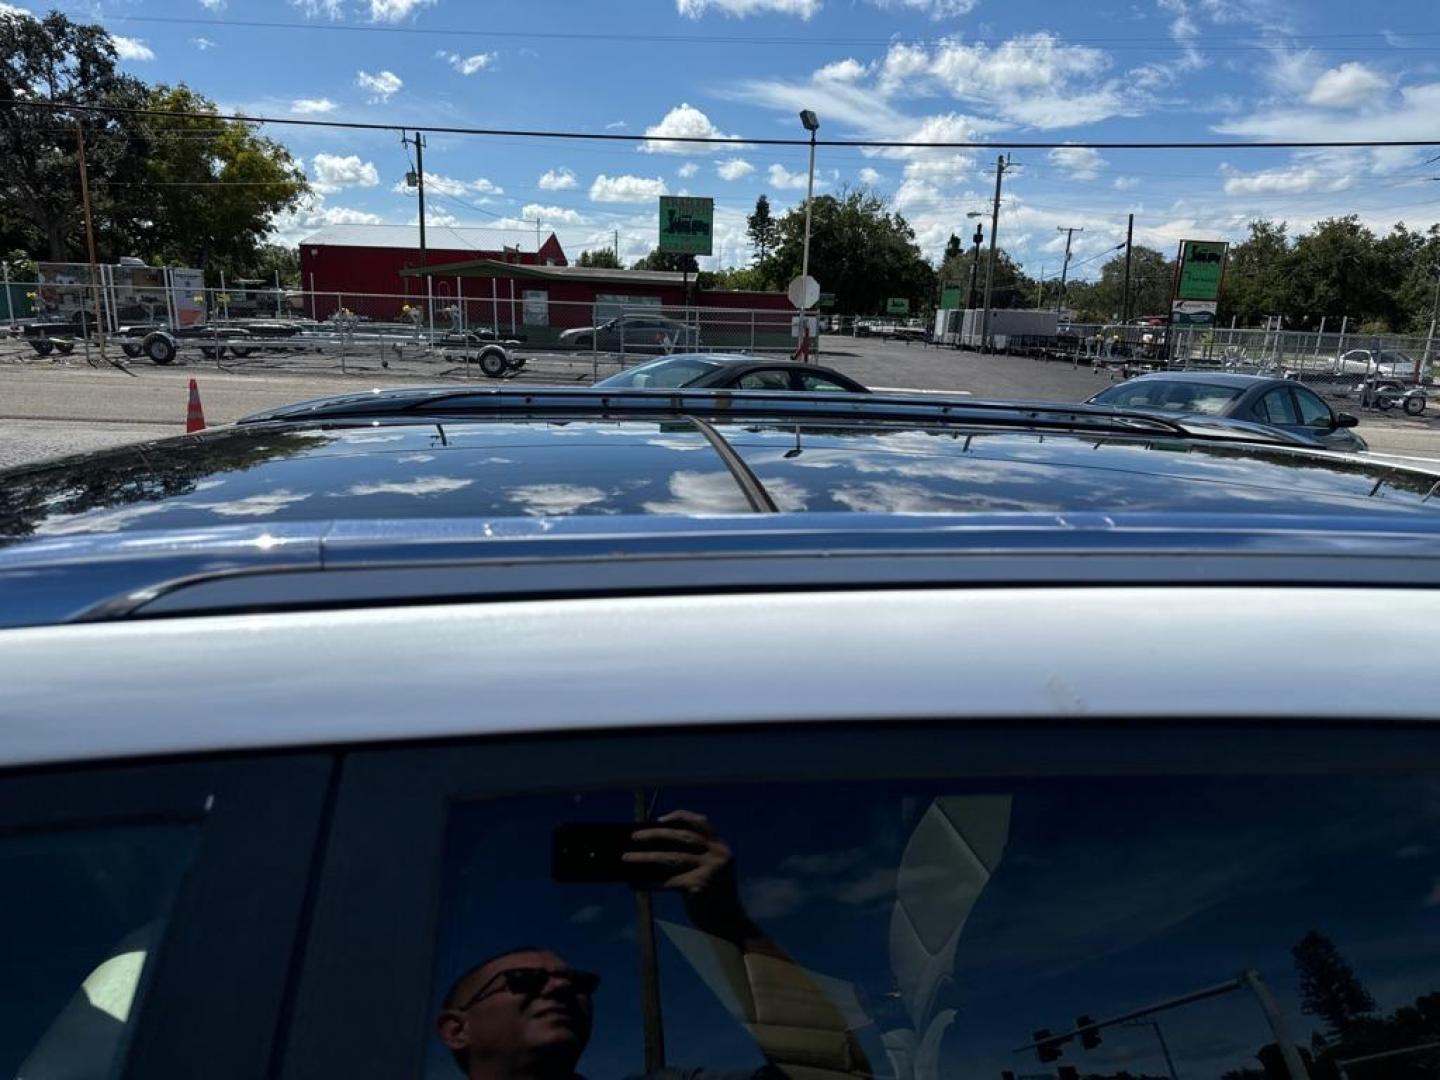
(906, 69)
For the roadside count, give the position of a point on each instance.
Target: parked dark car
(730, 371)
(634, 334)
(1283, 405)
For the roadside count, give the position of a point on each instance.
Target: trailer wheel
(493, 363)
(1415, 405)
(160, 348)
(212, 352)
(241, 351)
(65, 348)
(131, 350)
(43, 347)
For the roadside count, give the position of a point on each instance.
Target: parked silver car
(650, 334)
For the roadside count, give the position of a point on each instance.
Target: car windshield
(1170, 396)
(669, 373)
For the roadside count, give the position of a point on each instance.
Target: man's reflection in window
(527, 1014)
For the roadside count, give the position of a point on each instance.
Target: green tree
(1329, 987)
(1103, 300)
(667, 260)
(1257, 282)
(61, 62)
(272, 258)
(601, 257)
(762, 229)
(217, 184)
(859, 250)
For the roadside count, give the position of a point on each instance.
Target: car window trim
(394, 802)
(240, 908)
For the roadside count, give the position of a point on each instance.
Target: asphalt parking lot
(59, 405)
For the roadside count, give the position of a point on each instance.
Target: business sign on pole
(1193, 312)
(950, 295)
(687, 225)
(897, 305)
(1202, 269)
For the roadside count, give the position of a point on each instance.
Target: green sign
(1202, 266)
(687, 225)
(826, 301)
(897, 305)
(950, 295)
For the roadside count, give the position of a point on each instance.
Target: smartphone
(591, 852)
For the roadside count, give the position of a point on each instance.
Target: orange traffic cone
(194, 414)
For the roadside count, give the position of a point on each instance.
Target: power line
(1146, 44)
(735, 140)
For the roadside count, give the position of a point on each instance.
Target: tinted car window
(1171, 396)
(831, 928)
(813, 382)
(770, 379)
(1276, 407)
(662, 374)
(1313, 411)
(81, 917)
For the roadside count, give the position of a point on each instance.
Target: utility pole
(1129, 247)
(977, 239)
(616, 249)
(1434, 318)
(1001, 163)
(419, 144)
(90, 239)
(1069, 232)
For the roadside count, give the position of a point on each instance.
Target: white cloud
(395, 10)
(626, 188)
(331, 172)
(870, 176)
(734, 169)
(1347, 86)
(557, 180)
(847, 70)
(213, 5)
(312, 105)
(434, 217)
(686, 171)
(940, 168)
(615, 125)
(11, 9)
(467, 65)
(1080, 162)
(331, 9)
(382, 86)
(202, 43)
(936, 9)
(783, 178)
(1126, 183)
(1413, 117)
(694, 9)
(683, 122)
(345, 215)
(552, 215)
(132, 48)
(1289, 181)
(448, 185)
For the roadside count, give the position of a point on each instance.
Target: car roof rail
(722, 405)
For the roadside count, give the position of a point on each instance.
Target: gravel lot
(60, 405)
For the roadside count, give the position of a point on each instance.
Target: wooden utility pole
(90, 239)
(1069, 231)
(1129, 247)
(1000, 165)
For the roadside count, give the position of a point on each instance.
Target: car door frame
(216, 990)
(790, 383)
(370, 967)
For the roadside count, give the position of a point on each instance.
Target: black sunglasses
(527, 982)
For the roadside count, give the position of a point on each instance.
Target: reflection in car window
(83, 913)
(820, 383)
(1313, 411)
(1276, 407)
(667, 374)
(926, 929)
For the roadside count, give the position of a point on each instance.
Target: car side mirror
(1346, 419)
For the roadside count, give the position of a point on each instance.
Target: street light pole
(1000, 165)
(811, 123)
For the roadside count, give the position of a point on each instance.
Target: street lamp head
(974, 213)
(810, 120)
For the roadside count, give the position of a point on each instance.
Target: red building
(360, 266)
